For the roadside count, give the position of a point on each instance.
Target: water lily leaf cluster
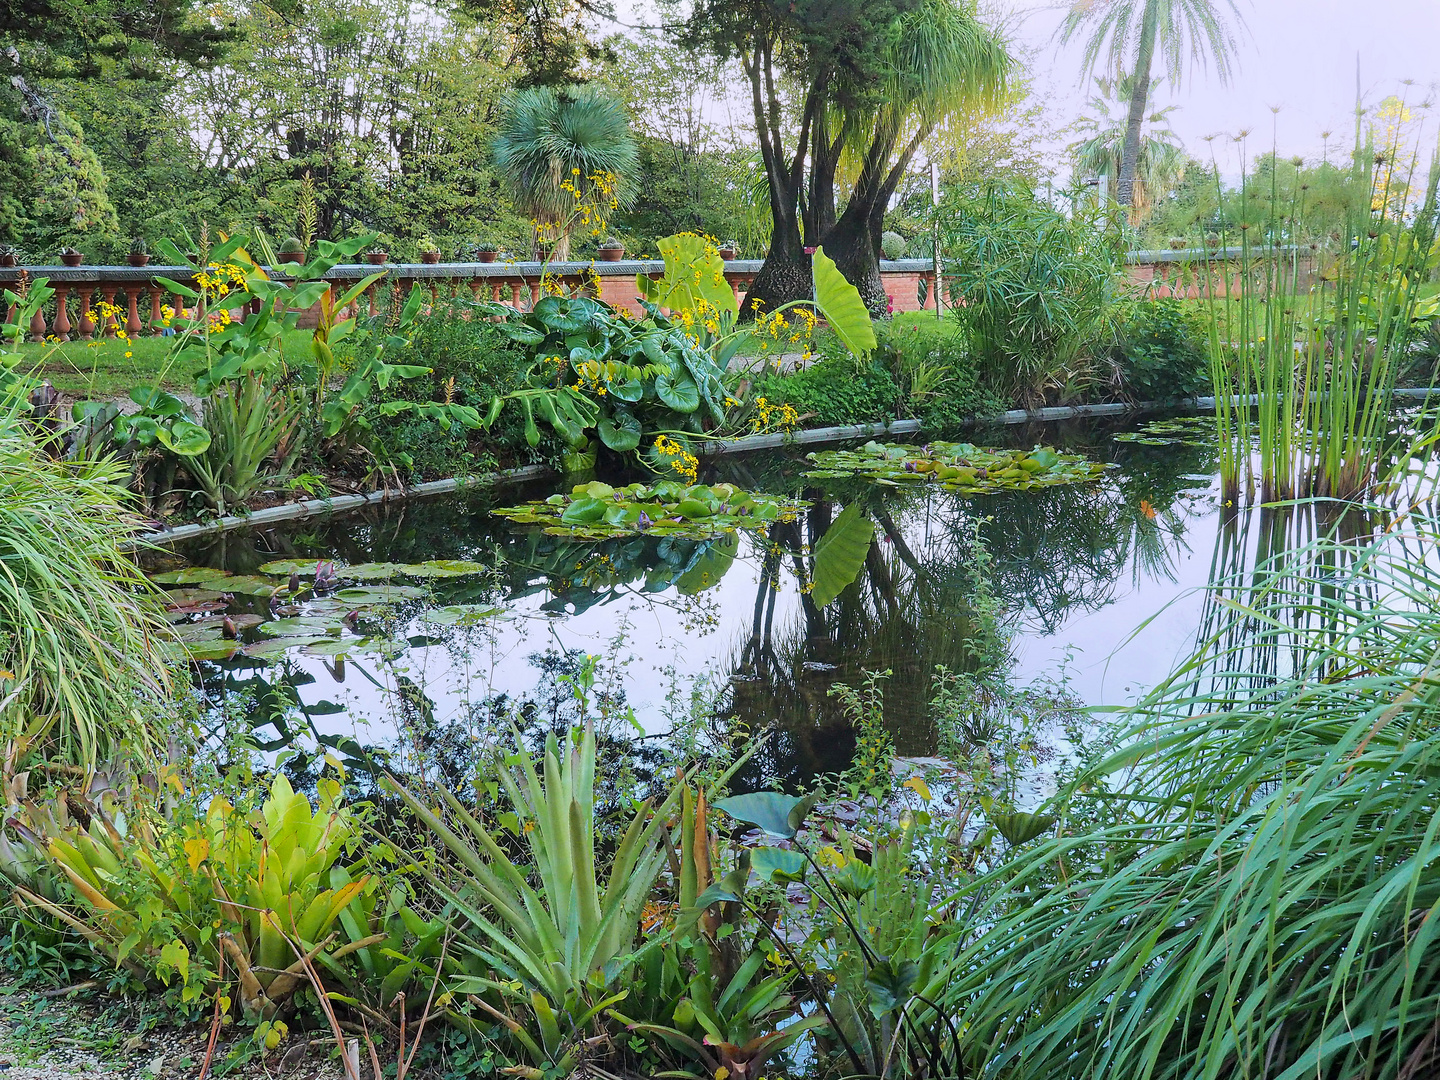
(958, 467)
(314, 607)
(1174, 431)
(666, 508)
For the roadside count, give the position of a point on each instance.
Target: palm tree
(551, 142)
(941, 60)
(1160, 163)
(1127, 33)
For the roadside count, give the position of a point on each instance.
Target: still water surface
(1099, 582)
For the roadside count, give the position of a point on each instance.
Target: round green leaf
(678, 391)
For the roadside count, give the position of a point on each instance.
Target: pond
(1053, 583)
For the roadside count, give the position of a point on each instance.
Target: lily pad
(178, 598)
(462, 614)
(250, 585)
(347, 647)
(286, 567)
(279, 645)
(370, 571)
(190, 575)
(598, 511)
(211, 649)
(378, 594)
(443, 568)
(958, 467)
(313, 626)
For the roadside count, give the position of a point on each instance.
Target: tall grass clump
(81, 641)
(1259, 897)
(1309, 337)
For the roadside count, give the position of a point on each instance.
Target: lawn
(111, 369)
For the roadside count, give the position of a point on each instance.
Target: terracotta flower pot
(430, 256)
(137, 260)
(727, 253)
(7, 260)
(376, 258)
(291, 256)
(486, 256)
(611, 254)
(72, 260)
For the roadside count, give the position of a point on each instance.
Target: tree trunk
(1139, 98)
(785, 275)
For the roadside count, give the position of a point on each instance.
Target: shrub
(471, 363)
(834, 390)
(1162, 350)
(892, 245)
(936, 370)
(1034, 287)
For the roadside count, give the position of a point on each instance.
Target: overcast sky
(1296, 54)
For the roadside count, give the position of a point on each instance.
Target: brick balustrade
(134, 290)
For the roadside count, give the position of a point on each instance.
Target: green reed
(1306, 339)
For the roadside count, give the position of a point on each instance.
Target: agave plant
(558, 949)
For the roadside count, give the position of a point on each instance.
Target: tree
(941, 60)
(868, 83)
(793, 54)
(1127, 33)
(75, 39)
(1160, 163)
(551, 147)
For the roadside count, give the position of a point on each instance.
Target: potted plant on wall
(291, 250)
(612, 250)
(70, 256)
(485, 252)
(1212, 241)
(1178, 243)
(139, 253)
(377, 255)
(429, 250)
(728, 248)
(8, 255)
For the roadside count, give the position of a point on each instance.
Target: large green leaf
(678, 391)
(693, 271)
(620, 432)
(840, 553)
(840, 303)
(772, 812)
(710, 567)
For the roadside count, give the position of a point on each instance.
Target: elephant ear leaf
(840, 303)
(840, 553)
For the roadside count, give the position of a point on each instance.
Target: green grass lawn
(111, 369)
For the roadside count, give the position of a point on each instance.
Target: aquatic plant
(959, 467)
(1306, 342)
(1256, 895)
(666, 508)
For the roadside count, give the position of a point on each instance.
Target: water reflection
(678, 618)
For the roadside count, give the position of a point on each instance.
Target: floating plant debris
(958, 467)
(598, 511)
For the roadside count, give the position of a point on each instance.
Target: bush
(834, 390)
(1034, 287)
(471, 363)
(892, 245)
(937, 373)
(1162, 350)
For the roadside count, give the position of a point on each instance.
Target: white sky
(1296, 54)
